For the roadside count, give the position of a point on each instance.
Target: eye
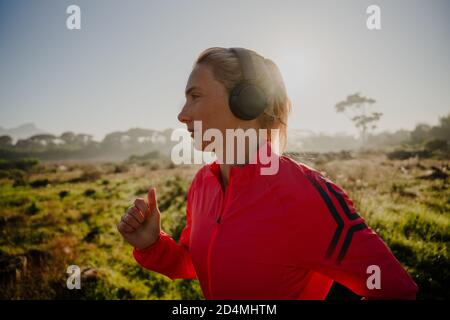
(195, 96)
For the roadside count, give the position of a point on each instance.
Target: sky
(128, 65)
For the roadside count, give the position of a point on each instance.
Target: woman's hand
(140, 225)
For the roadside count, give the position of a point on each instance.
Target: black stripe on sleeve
(348, 239)
(342, 202)
(334, 214)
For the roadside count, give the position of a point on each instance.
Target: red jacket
(282, 236)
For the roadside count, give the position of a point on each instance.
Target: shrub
(436, 145)
(33, 209)
(24, 164)
(120, 168)
(89, 192)
(19, 177)
(89, 175)
(401, 154)
(39, 183)
(63, 194)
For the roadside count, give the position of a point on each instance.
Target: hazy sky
(128, 65)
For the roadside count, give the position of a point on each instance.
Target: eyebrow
(188, 91)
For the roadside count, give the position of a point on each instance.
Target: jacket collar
(246, 171)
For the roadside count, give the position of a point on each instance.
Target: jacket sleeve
(346, 249)
(168, 257)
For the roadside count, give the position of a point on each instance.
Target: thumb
(152, 201)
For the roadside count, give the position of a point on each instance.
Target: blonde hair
(226, 69)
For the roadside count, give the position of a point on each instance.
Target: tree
(69, 137)
(5, 141)
(442, 131)
(38, 141)
(358, 110)
(420, 133)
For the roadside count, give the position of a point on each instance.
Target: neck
(225, 168)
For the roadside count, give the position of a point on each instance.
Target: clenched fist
(140, 225)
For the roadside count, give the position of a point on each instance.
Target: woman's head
(216, 72)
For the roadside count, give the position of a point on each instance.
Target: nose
(183, 116)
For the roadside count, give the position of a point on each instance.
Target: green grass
(40, 218)
(411, 214)
(70, 216)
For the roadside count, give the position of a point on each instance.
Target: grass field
(54, 215)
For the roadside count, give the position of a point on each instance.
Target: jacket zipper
(214, 235)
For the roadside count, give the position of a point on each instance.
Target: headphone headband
(247, 99)
(246, 62)
(250, 70)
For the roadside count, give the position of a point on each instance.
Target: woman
(248, 235)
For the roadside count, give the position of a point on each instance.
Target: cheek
(221, 111)
(222, 108)
(213, 112)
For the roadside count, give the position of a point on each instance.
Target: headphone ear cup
(247, 101)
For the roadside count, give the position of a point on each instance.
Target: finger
(129, 220)
(124, 228)
(136, 214)
(140, 204)
(152, 200)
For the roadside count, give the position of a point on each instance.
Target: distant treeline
(71, 146)
(423, 140)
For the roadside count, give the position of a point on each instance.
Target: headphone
(247, 99)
